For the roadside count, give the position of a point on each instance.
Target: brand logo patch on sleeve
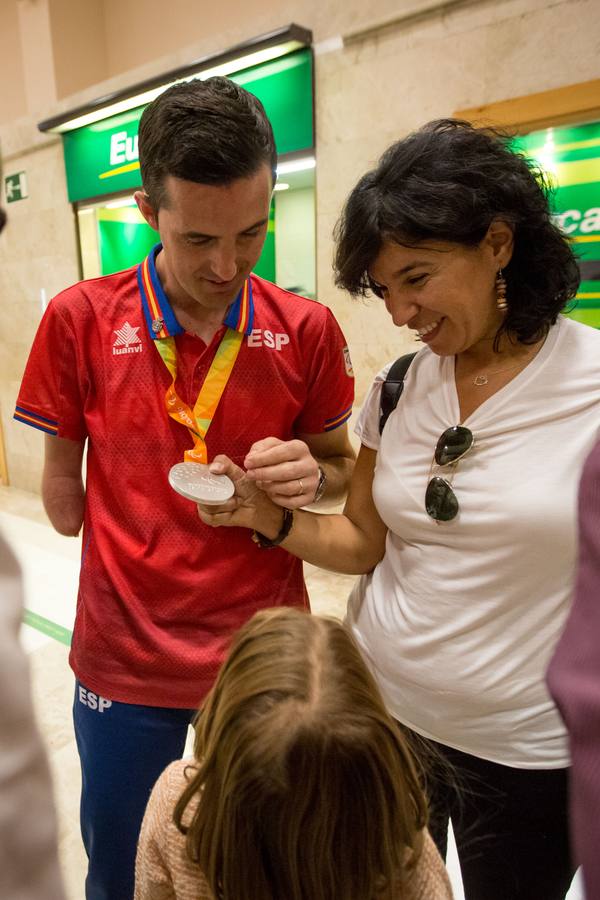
(348, 363)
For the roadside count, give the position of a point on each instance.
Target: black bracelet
(286, 526)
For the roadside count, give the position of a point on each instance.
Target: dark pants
(510, 824)
(123, 749)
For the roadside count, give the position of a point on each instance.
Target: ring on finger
(301, 491)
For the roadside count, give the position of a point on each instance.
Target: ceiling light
(251, 53)
(119, 204)
(296, 165)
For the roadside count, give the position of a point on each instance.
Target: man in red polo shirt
(161, 593)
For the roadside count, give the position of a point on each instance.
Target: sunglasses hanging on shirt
(440, 500)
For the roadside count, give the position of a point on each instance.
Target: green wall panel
(124, 239)
(265, 267)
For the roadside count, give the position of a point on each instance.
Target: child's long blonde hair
(307, 788)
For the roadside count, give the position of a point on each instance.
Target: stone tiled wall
(38, 258)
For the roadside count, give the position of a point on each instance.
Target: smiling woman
(461, 514)
(447, 184)
(444, 291)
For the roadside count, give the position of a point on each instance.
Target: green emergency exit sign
(15, 187)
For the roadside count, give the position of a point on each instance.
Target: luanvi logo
(127, 340)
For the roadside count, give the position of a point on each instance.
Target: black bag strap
(392, 387)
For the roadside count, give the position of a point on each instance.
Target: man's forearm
(64, 502)
(63, 492)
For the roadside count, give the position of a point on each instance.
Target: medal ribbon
(198, 421)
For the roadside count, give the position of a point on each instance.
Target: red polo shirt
(160, 592)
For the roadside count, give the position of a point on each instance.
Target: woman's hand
(285, 470)
(250, 507)
(352, 542)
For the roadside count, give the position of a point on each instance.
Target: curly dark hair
(447, 182)
(210, 132)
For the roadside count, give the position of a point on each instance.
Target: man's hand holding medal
(277, 472)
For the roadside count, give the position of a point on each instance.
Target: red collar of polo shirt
(158, 312)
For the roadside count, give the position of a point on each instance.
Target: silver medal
(196, 482)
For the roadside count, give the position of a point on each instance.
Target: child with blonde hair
(301, 787)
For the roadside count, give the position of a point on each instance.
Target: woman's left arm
(352, 542)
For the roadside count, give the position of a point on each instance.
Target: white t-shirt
(459, 619)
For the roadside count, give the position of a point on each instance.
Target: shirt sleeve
(429, 880)
(51, 394)
(574, 680)
(331, 382)
(152, 877)
(367, 425)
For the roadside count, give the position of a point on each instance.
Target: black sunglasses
(440, 500)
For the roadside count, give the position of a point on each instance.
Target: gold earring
(501, 301)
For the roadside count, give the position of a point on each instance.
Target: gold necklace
(482, 379)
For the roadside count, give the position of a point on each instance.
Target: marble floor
(50, 566)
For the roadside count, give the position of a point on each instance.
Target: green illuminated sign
(571, 157)
(103, 158)
(96, 157)
(124, 238)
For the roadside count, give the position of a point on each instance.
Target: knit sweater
(164, 872)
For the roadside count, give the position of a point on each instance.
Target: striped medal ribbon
(198, 420)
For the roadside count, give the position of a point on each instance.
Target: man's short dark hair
(210, 132)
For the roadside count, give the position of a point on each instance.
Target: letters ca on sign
(571, 220)
(123, 148)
